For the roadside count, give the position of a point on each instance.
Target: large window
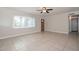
(23, 22)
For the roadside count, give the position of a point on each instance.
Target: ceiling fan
(45, 10)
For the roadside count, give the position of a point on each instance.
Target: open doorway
(42, 25)
(73, 23)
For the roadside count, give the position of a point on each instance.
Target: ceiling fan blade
(41, 12)
(49, 9)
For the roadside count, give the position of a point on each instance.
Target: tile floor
(45, 41)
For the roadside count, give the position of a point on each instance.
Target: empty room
(39, 28)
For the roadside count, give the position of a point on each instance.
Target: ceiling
(55, 9)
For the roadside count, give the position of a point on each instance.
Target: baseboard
(19, 34)
(58, 32)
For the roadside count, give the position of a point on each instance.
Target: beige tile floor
(45, 41)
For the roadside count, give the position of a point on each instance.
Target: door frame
(69, 21)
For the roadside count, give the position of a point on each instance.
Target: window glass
(23, 22)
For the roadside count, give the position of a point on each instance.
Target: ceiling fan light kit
(44, 9)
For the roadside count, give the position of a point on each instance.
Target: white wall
(6, 21)
(57, 23)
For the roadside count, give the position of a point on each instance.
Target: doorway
(74, 23)
(42, 25)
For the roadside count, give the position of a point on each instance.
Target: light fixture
(44, 9)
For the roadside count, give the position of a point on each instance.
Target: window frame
(24, 26)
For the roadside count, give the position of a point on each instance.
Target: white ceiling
(55, 9)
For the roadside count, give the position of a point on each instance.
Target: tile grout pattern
(42, 41)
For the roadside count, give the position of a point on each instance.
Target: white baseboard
(61, 32)
(19, 34)
(58, 32)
